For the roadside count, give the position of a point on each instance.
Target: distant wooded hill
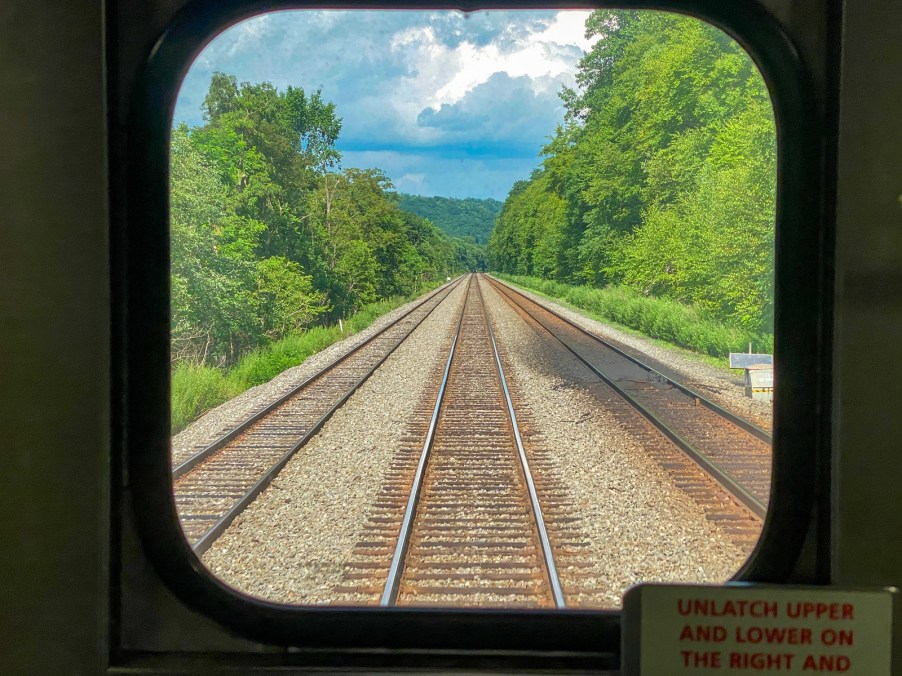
(468, 217)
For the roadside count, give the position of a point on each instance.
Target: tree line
(269, 235)
(661, 177)
(468, 218)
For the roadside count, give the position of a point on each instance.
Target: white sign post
(682, 630)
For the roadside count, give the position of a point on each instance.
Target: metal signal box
(759, 382)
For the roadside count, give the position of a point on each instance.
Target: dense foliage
(269, 235)
(663, 318)
(197, 388)
(466, 218)
(661, 179)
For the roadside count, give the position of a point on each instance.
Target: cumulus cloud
(503, 108)
(412, 79)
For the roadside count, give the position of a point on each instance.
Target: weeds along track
(731, 451)
(460, 520)
(215, 484)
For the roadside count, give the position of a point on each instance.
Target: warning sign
(671, 630)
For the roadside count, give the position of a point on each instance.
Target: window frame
(801, 437)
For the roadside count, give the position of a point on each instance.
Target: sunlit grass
(198, 388)
(660, 318)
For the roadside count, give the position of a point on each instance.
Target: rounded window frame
(800, 342)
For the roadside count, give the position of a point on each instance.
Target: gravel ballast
(215, 422)
(292, 543)
(716, 384)
(638, 524)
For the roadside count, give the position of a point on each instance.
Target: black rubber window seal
(589, 637)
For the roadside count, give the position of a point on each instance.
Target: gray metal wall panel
(868, 381)
(54, 342)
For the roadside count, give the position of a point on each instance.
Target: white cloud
(568, 28)
(248, 35)
(402, 79)
(442, 73)
(446, 73)
(412, 183)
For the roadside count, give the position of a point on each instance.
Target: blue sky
(445, 103)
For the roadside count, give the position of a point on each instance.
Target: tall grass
(198, 388)
(659, 318)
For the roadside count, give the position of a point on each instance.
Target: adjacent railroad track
(215, 483)
(461, 519)
(467, 526)
(731, 450)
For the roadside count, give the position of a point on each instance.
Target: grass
(198, 388)
(660, 318)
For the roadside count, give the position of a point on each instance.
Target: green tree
(210, 280)
(288, 301)
(662, 175)
(463, 218)
(270, 235)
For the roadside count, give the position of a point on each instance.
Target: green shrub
(661, 318)
(263, 364)
(197, 389)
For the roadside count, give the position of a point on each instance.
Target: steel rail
(545, 541)
(746, 425)
(728, 482)
(189, 464)
(210, 536)
(395, 571)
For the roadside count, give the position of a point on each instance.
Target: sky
(446, 103)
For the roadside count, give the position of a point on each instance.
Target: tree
(662, 176)
(468, 217)
(270, 236)
(288, 301)
(210, 282)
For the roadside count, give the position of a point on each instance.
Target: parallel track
(460, 520)
(468, 529)
(731, 450)
(216, 483)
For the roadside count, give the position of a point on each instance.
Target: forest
(271, 236)
(660, 180)
(465, 218)
(657, 187)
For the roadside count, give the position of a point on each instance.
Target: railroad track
(733, 451)
(460, 520)
(215, 483)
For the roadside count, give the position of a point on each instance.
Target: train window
(451, 302)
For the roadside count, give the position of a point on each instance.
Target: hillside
(468, 217)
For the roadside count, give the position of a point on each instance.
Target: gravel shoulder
(292, 543)
(714, 383)
(639, 526)
(217, 421)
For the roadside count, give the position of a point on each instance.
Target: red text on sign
(739, 608)
(834, 637)
(821, 611)
(698, 660)
(761, 661)
(709, 634)
(836, 664)
(779, 635)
